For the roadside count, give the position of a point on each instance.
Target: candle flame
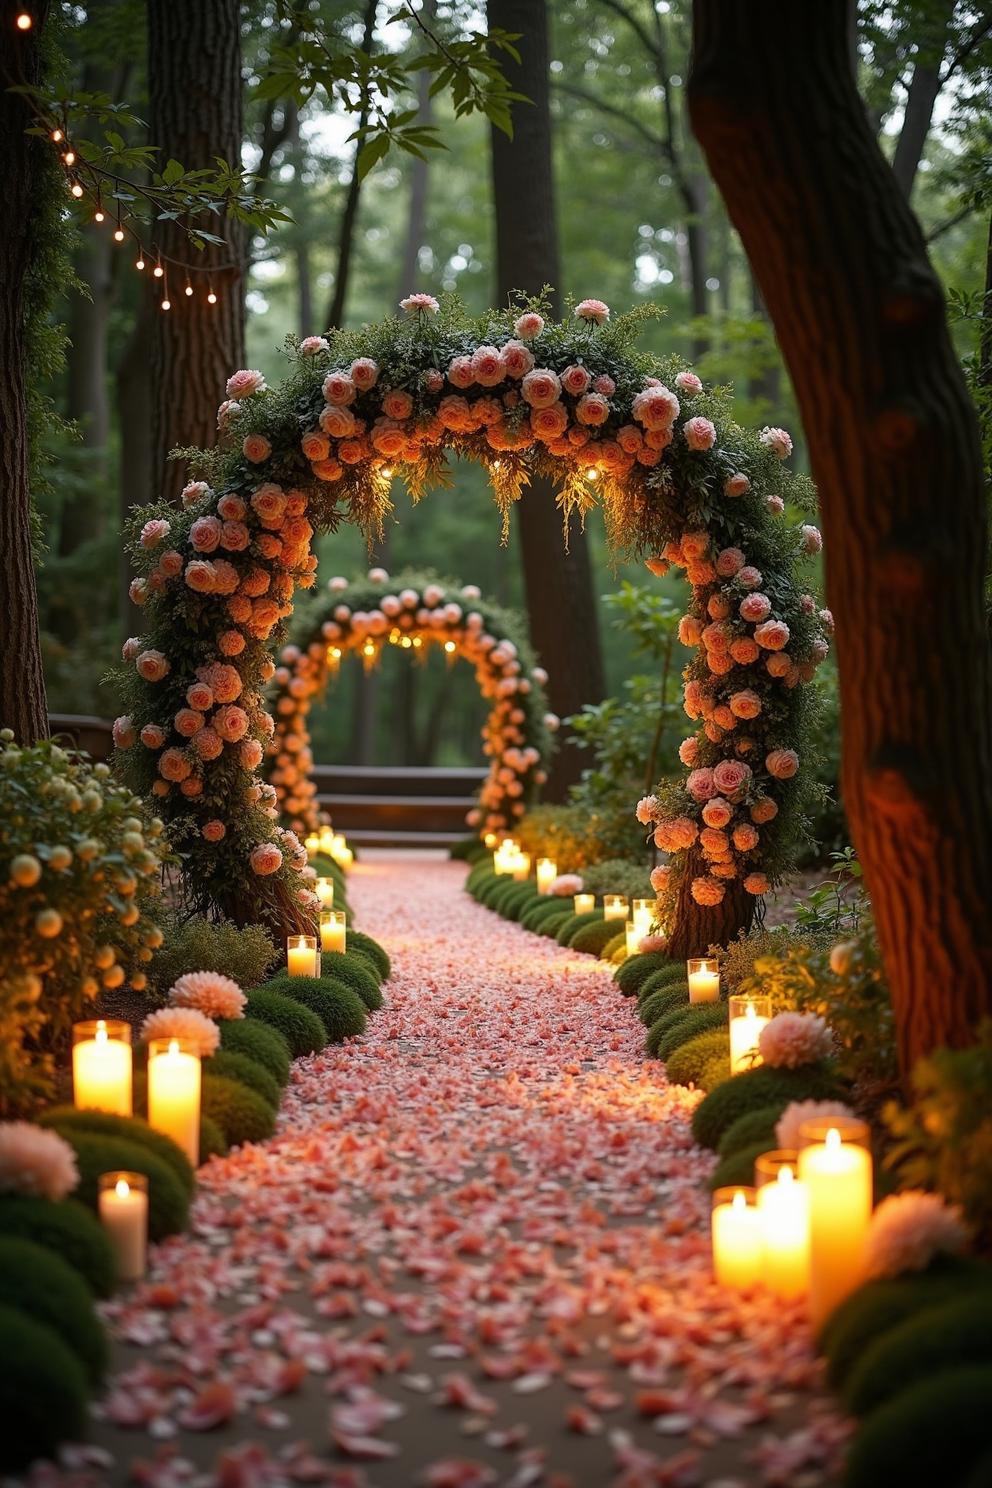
(740, 1199)
(101, 1031)
(785, 1174)
(833, 1140)
(173, 1046)
(122, 1188)
(750, 1013)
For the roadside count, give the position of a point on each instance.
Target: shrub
(577, 922)
(668, 974)
(959, 1332)
(663, 1000)
(879, 1306)
(616, 944)
(213, 1142)
(39, 1283)
(592, 938)
(547, 907)
(689, 1023)
(342, 968)
(511, 902)
(338, 1007)
(66, 1120)
(756, 1088)
(551, 924)
(67, 1229)
(715, 1072)
(618, 876)
(559, 832)
(168, 1201)
(260, 1042)
(753, 1126)
(377, 954)
(242, 1067)
(933, 1432)
(243, 952)
(634, 972)
(479, 878)
(242, 1114)
(499, 895)
(43, 1399)
(489, 892)
(467, 850)
(737, 1167)
(301, 1029)
(686, 1064)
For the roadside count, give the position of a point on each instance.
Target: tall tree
(561, 604)
(194, 84)
(349, 216)
(894, 449)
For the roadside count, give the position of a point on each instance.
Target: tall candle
(634, 935)
(333, 930)
(324, 889)
(703, 976)
(748, 1016)
(836, 1168)
(584, 903)
(174, 1093)
(101, 1066)
(615, 907)
(783, 1209)
(547, 872)
(736, 1237)
(302, 956)
(122, 1204)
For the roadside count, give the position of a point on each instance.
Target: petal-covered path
(475, 1253)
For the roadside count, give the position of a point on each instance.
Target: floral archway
(677, 479)
(370, 615)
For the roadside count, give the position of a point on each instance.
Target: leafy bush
(619, 876)
(67, 1229)
(39, 1283)
(662, 1001)
(715, 1072)
(43, 1399)
(242, 1115)
(669, 974)
(737, 1167)
(559, 832)
(168, 1200)
(753, 1126)
(959, 1332)
(260, 1042)
(243, 952)
(213, 1142)
(936, 1431)
(756, 1088)
(690, 1022)
(66, 1119)
(634, 972)
(686, 1064)
(338, 1007)
(301, 1029)
(511, 901)
(592, 938)
(377, 954)
(242, 1067)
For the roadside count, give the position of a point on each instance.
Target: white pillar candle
(615, 907)
(547, 872)
(302, 956)
(324, 889)
(174, 1093)
(333, 930)
(643, 914)
(634, 935)
(783, 1209)
(835, 1165)
(584, 903)
(312, 844)
(101, 1066)
(123, 1208)
(736, 1238)
(748, 1016)
(521, 867)
(703, 976)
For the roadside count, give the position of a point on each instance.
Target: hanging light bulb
(139, 262)
(69, 158)
(166, 304)
(188, 290)
(211, 297)
(24, 21)
(118, 232)
(98, 215)
(158, 271)
(77, 190)
(57, 136)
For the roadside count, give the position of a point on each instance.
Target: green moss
(686, 1064)
(663, 981)
(661, 1002)
(43, 1398)
(38, 1282)
(479, 879)
(489, 892)
(753, 1126)
(551, 924)
(548, 907)
(715, 1072)
(243, 1068)
(66, 1119)
(755, 1088)
(342, 968)
(880, 1306)
(376, 953)
(593, 938)
(615, 946)
(302, 1029)
(956, 1333)
(521, 897)
(933, 1433)
(260, 1042)
(242, 1115)
(338, 1007)
(737, 1167)
(702, 1018)
(636, 969)
(168, 1200)
(65, 1228)
(575, 923)
(213, 1142)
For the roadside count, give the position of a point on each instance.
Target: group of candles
(331, 844)
(303, 951)
(748, 1014)
(508, 857)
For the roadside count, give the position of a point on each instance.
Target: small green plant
(302, 1030)
(337, 1005)
(168, 1200)
(243, 952)
(260, 1043)
(68, 1229)
(837, 906)
(244, 1069)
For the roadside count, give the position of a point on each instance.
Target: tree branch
(654, 140)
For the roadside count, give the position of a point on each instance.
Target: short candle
(174, 1093)
(615, 907)
(783, 1209)
(584, 903)
(633, 937)
(313, 844)
(122, 1203)
(736, 1236)
(324, 889)
(333, 930)
(521, 867)
(835, 1165)
(547, 872)
(302, 957)
(643, 914)
(748, 1016)
(703, 976)
(101, 1066)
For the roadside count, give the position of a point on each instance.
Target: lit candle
(333, 930)
(101, 1066)
(123, 1208)
(835, 1164)
(584, 903)
(643, 914)
(174, 1093)
(736, 1235)
(302, 957)
(748, 1016)
(521, 867)
(634, 935)
(703, 976)
(324, 889)
(490, 840)
(338, 844)
(313, 844)
(615, 907)
(326, 840)
(783, 1209)
(547, 872)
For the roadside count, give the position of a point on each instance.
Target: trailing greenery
(40, 1284)
(756, 1088)
(67, 1229)
(43, 1398)
(301, 1029)
(260, 1043)
(242, 1114)
(67, 1119)
(959, 1332)
(935, 1431)
(242, 1067)
(337, 1005)
(685, 1064)
(242, 952)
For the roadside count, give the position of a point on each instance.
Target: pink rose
(187, 722)
(729, 562)
(170, 564)
(778, 664)
(660, 877)
(205, 534)
(707, 891)
(782, 764)
(312, 346)
(214, 830)
(778, 441)
(775, 505)
(754, 607)
(231, 723)
(269, 504)
(460, 373)
(338, 389)
(201, 576)
(592, 409)
(152, 666)
(231, 508)
(487, 366)
(773, 635)
(315, 446)
(593, 311)
(242, 384)
(417, 304)
(154, 532)
(811, 540)
(645, 809)
(364, 373)
(397, 404)
(194, 493)
(699, 433)
(227, 411)
(576, 380)
(235, 537)
(605, 385)
(541, 388)
(518, 359)
(701, 784)
(339, 423)
(173, 765)
(717, 812)
(688, 382)
(222, 680)
(131, 647)
(750, 577)
(124, 732)
(250, 754)
(265, 859)
(152, 736)
(528, 325)
(256, 448)
(549, 423)
(729, 776)
(736, 485)
(689, 751)
(655, 408)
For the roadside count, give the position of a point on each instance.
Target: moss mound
(547, 907)
(661, 1001)
(753, 1126)
(39, 1283)
(341, 967)
(242, 1067)
(686, 1064)
(755, 1088)
(617, 944)
(699, 1019)
(242, 1114)
(520, 898)
(737, 1167)
(934, 1432)
(551, 924)
(958, 1333)
(714, 1072)
(43, 1399)
(66, 1229)
(301, 1029)
(672, 974)
(880, 1306)
(593, 938)
(66, 1120)
(168, 1200)
(213, 1142)
(376, 953)
(340, 1010)
(575, 923)
(635, 971)
(497, 885)
(260, 1043)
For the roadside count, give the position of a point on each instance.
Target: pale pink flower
(337, 422)
(778, 441)
(131, 647)
(605, 385)
(701, 785)
(231, 722)
(576, 380)
(593, 311)
(566, 884)
(707, 891)
(124, 732)
(208, 744)
(137, 591)
(213, 830)
(201, 576)
(364, 373)
(170, 564)
(242, 384)
(152, 736)
(811, 540)
(645, 809)
(187, 721)
(205, 534)
(592, 409)
(660, 877)
(655, 408)
(549, 423)
(754, 607)
(35, 1161)
(688, 382)
(756, 884)
(312, 346)
(518, 359)
(338, 389)
(736, 485)
(266, 858)
(212, 994)
(699, 433)
(730, 776)
(152, 666)
(250, 754)
(256, 448)
(199, 696)
(541, 388)
(792, 1039)
(528, 325)
(154, 532)
(773, 635)
(788, 1124)
(782, 764)
(231, 508)
(397, 404)
(226, 412)
(420, 304)
(460, 373)
(749, 577)
(729, 562)
(778, 664)
(689, 751)
(908, 1230)
(186, 1025)
(268, 503)
(315, 446)
(775, 505)
(488, 367)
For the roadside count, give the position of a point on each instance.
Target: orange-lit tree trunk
(894, 449)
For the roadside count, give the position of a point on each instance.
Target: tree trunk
(920, 100)
(136, 480)
(694, 930)
(87, 402)
(895, 454)
(561, 603)
(22, 683)
(349, 217)
(194, 85)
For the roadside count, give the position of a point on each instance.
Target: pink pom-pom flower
(792, 1039)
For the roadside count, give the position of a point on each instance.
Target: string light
(69, 157)
(57, 135)
(166, 304)
(118, 234)
(592, 474)
(77, 190)
(139, 262)
(188, 290)
(98, 215)
(158, 271)
(211, 297)
(24, 21)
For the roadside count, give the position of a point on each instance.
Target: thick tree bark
(694, 930)
(894, 450)
(349, 217)
(22, 684)
(561, 603)
(86, 384)
(194, 84)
